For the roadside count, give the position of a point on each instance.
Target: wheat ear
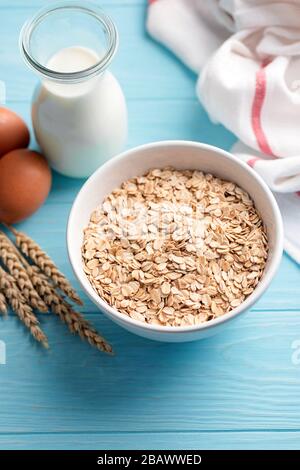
(3, 304)
(34, 252)
(75, 321)
(18, 303)
(10, 258)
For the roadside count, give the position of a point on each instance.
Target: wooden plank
(13, 4)
(145, 69)
(243, 379)
(148, 441)
(150, 120)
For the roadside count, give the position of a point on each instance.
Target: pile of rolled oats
(175, 248)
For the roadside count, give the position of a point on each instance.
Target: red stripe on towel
(252, 161)
(259, 97)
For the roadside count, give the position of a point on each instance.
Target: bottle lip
(73, 77)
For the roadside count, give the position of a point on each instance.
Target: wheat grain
(75, 321)
(18, 303)
(3, 305)
(10, 258)
(35, 253)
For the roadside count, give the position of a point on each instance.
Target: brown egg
(14, 133)
(25, 181)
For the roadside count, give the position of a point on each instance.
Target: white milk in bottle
(78, 126)
(79, 111)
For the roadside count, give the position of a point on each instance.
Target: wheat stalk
(18, 303)
(34, 252)
(3, 304)
(11, 260)
(41, 275)
(75, 321)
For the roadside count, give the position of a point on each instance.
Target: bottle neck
(73, 60)
(82, 51)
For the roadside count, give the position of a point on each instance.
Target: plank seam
(183, 431)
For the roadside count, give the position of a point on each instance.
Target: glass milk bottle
(79, 112)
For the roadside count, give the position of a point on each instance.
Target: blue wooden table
(237, 390)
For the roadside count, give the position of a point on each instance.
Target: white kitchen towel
(248, 53)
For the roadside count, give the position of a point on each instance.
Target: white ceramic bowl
(180, 155)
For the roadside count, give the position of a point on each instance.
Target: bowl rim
(244, 306)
